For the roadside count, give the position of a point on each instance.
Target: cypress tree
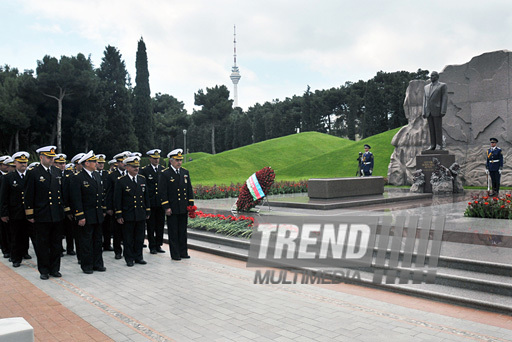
(143, 115)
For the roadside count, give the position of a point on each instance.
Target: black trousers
(48, 246)
(91, 246)
(435, 126)
(155, 227)
(107, 231)
(118, 237)
(76, 237)
(5, 236)
(133, 239)
(68, 233)
(495, 180)
(20, 232)
(177, 231)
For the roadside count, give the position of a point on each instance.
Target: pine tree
(143, 119)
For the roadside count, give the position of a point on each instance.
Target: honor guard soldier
(367, 162)
(5, 239)
(494, 166)
(132, 209)
(89, 209)
(107, 223)
(176, 194)
(110, 185)
(44, 208)
(155, 223)
(12, 210)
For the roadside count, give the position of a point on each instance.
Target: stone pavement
(210, 298)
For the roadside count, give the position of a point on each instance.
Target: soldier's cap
(2, 158)
(135, 154)
(154, 153)
(61, 158)
(32, 165)
(101, 158)
(494, 140)
(366, 145)
(70, 166)
(132, 161)
(48, 151)
(113, 161)
(176, 154)
(9, 161)
(120, 156)
(89, 156)
(21, 156)
(77, 157)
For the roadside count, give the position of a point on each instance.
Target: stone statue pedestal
(425, 162)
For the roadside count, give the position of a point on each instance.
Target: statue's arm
(444, 99)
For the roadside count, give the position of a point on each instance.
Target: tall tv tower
(235, 73)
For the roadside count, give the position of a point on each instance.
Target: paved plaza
(211, 298)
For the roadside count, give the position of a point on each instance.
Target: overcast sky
(282, 46)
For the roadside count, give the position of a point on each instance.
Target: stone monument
(479, 107)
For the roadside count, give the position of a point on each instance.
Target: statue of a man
(434, 108)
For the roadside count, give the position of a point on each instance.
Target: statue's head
(434, 76)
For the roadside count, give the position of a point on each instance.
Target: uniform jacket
(367, 161)
(176, 190)
(152, 179)
(87, 199)
(494, 159)
(43, 195)
(12, 192)
(435, 100)
(109, 188)
(131, 201)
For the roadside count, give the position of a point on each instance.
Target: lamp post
(185, 144)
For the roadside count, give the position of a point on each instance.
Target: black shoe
(27, 257)
(185, 257)
(129, 263)
(100, 269)
(175, 258)
(16, 264)
(142, 262)
(153, 251)
(71, 253)
(56, 274)
(7, 255)
(44, 277)
(108, 249)
(118, 256)
(88, 272)
(160, 250)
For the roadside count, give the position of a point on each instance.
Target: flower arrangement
(490, 207)
(247, 199)
(230, 225)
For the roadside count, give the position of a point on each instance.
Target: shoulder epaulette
(183, 168)
(121, 176)
(165, 169)
(142, 175)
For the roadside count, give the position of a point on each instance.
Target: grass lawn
(293, 157)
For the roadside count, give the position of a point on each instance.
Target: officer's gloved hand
(499, 171)
(486, 171)
(362, 173)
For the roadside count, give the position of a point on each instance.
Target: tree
(120, 134)
(170, 119)
(143, 119)
(58, 79)
(216, 106)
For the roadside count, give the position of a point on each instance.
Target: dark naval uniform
(44, 204)
(11, 196)
(131, 203)
(494, 165)
(116, 227)
(176, 193)
(68, 223)
(156, 221)
(5, 236)
(367, 164)
(107, 223)
(88, 203)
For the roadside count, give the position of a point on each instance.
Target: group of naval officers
(95, 209)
